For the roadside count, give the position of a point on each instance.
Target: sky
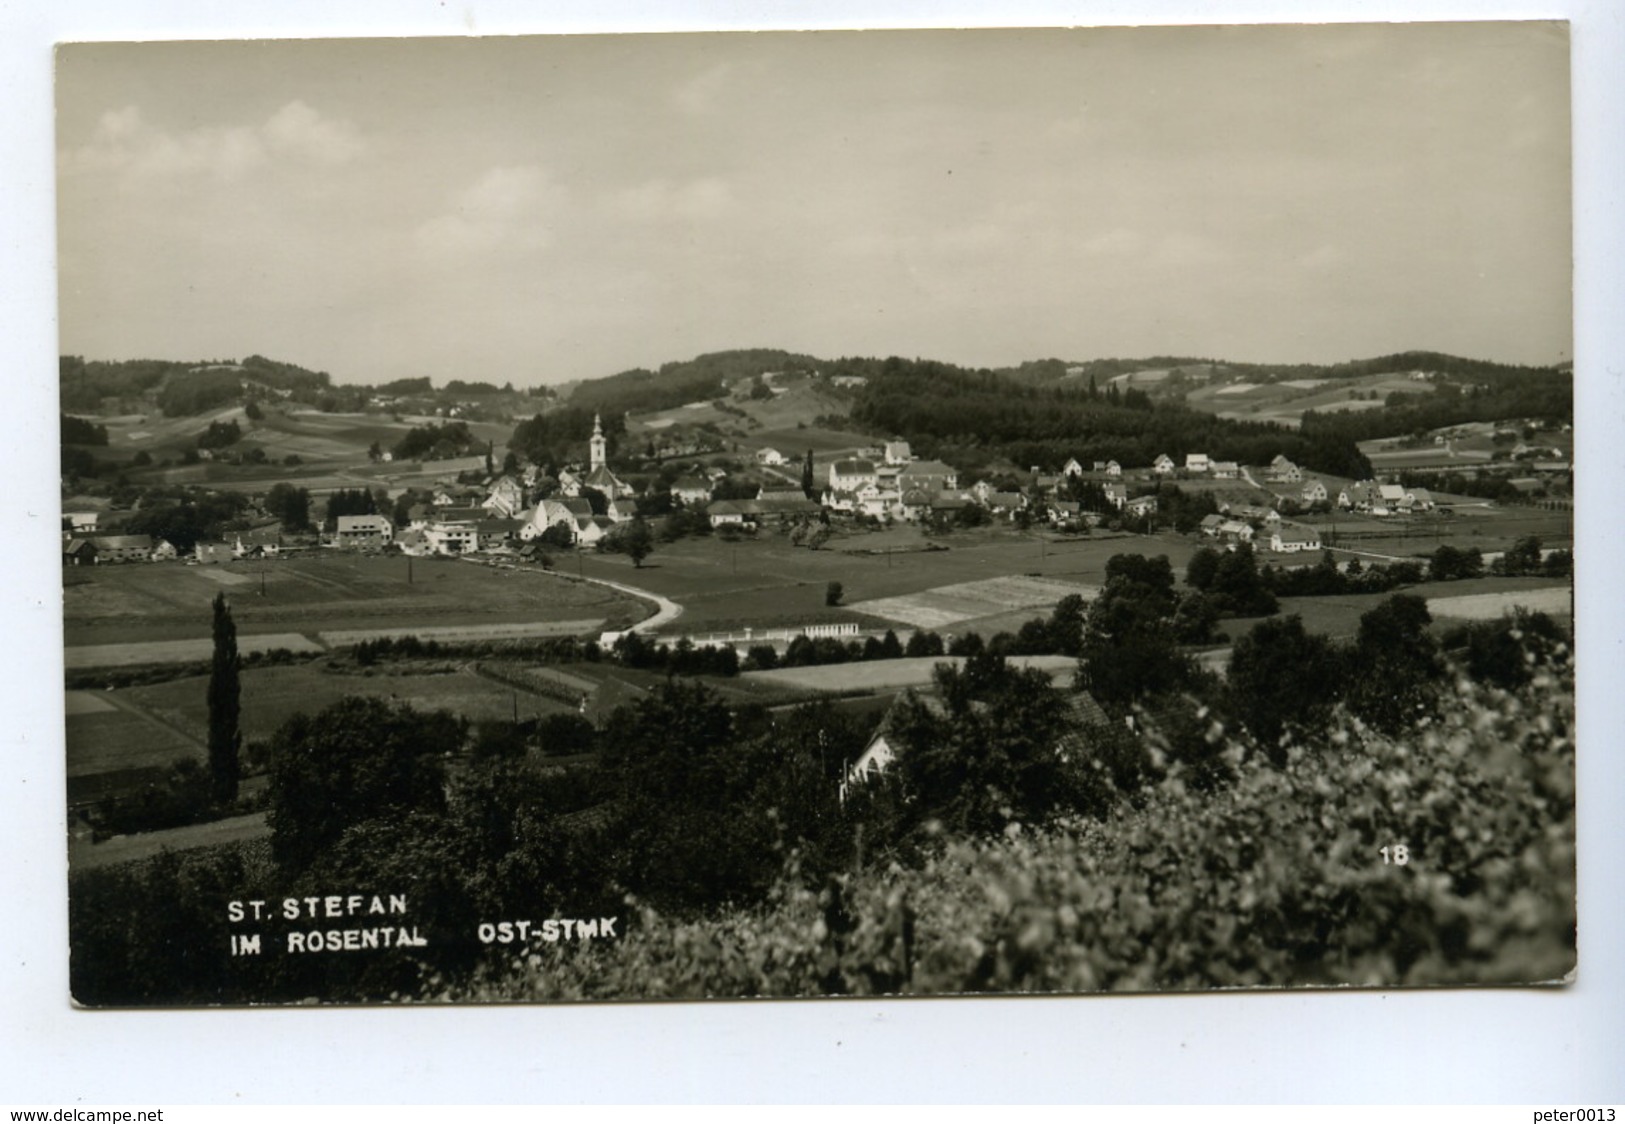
(542, 208)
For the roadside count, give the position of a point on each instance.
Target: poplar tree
(225, 707)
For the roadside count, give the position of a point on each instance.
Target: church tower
(598, 444)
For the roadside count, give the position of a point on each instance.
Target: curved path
(669, 610)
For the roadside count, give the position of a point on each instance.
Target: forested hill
(700, 379)
(1453, 367)
(954, 414)
(181, 387)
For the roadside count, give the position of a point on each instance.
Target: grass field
(966, 601)
(324, 592)
(891, 675)
(1340, 616)
(766, 579)
(271, 694)
(1556, 602)
(121, 739)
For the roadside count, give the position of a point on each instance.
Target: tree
(225, 707)
(1281, 675)
(1129, 646)
(808, 488)
(638, 542)
(292, 506)
(833, 594)
(1396, 664)
(358, 760)
(992, 752)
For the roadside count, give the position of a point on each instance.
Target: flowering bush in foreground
(1442, 855)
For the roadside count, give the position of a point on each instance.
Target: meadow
(330, 591)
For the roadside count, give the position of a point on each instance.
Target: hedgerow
(1277, 878)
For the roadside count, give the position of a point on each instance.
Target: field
(1491, 528)
(966, 601)
(1340, 616)
(891, 675)
(271, 694)
(329, 592)
(767, 581)
(1285, 402)
(1557, 601)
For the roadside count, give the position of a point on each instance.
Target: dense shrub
(1276, 879)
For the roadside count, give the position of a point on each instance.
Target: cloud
(700, 93)
(124, 142)
(300, 131)
(517, 207)
(660, 200)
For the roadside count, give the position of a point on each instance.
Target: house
(850, 475)
(622, 510)
(79, 552)
(213, 553)
(507, 498)
(81, 522)
(691, 490)
(1420, 499)
(1314, 491)
(1113, 469)
(1234, 530)
(913, 505)
(1072, 467)
(1392, 495)
(1293, 538)
(727, 513)
(1283, 471)
(1211, 523)
(261, 542)
(1116, 495)
(123, 548)
(770, 457)
(1006, 503)
(568, 512)
(495, 534)
(874, 501)
(1226, 470)
(357, 531)
(1163, 465)
(164, 551)
(414, 541)
(897, 452)
(928, 476)
(1064, 511)
(1141, 506)
(1196, 463)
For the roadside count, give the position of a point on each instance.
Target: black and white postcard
(811, 514)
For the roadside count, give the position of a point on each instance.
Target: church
(598, 476)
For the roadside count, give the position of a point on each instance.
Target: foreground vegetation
(1277, 879)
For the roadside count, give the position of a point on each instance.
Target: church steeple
(598, 445)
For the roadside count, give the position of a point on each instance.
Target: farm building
(79, 552)
(123, 548)
(213, 553)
